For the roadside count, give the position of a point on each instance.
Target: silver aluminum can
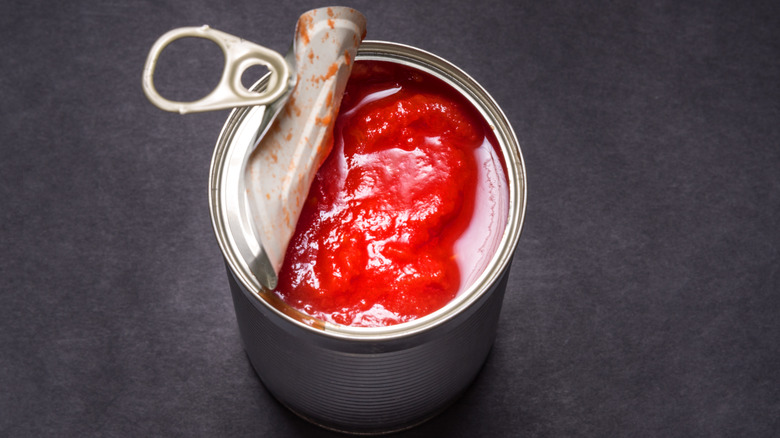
(354, 379)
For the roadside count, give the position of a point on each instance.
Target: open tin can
(354, 379)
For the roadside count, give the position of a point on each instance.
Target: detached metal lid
(274, 168)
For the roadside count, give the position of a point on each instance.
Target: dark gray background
(643, 298)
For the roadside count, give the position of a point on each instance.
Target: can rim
(516, 178)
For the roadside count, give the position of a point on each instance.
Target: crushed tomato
(374, 244)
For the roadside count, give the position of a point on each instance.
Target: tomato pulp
(406, 210)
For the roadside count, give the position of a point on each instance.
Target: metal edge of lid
(516, 177)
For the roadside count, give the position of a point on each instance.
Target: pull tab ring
(229, 92)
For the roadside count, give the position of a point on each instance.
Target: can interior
(231, 218)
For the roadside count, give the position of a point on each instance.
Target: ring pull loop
(229, 92)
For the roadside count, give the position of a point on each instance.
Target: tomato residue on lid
(411, 199)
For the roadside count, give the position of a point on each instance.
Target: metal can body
(354, 379)
(367, 387)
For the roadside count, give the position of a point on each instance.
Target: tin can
(353, 379)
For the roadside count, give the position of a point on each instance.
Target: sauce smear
(411, 201)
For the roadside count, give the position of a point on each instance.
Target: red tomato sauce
(407, 208)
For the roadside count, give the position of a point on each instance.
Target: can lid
(301, 95)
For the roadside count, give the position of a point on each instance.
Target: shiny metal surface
(367, 380)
